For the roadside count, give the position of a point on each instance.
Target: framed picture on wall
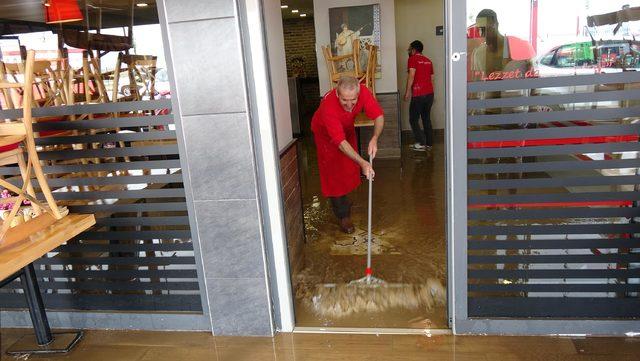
(355, 22)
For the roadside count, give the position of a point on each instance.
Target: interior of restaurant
(408, 195)
(513, 165)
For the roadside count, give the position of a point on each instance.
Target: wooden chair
(369, 77)
(141, 71)
(20, 132)
(55, 82)
(336, 64)
(14, 72)
(92, 80)
(52, 86)
(336, 70)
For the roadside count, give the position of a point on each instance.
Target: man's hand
(373, 147)
(407, 97)
(367, 169)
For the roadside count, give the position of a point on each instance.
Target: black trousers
(420, 107)
(341, 206)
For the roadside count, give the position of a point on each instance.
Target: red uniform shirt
(331, 124)
(424, 70)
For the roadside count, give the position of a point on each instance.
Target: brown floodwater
(409, 238)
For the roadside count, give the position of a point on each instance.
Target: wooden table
(362, 122)
(16, 260)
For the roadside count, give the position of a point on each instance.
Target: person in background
(420, 91)
(334, 133)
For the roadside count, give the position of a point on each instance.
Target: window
(566, 57)
(547, 59)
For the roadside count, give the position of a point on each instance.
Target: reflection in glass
(553, 165)
(117, 161)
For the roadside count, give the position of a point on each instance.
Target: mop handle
(369, 271)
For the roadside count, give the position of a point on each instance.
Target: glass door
(543, 163)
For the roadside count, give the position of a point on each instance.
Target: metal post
(36, 306)
(533, 20)
(63, 342)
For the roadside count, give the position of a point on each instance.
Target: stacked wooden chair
(16, 141)
(369, 76)
(93, 83)
(53, 85)
(141, 71)
(336, 65)
(52, 81)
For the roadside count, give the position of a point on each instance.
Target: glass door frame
(456, 169)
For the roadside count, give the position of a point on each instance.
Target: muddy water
(409, 231)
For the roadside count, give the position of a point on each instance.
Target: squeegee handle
(368, 271)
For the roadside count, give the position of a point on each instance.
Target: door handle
(457, 55)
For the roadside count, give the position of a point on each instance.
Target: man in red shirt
(420, 91)
(334, 133)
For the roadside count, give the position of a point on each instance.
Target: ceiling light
(142, 5)
(303, 15)
(295, 11)
(284, 6)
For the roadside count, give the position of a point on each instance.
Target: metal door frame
(456, 168)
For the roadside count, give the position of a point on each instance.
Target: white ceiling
(304, 7)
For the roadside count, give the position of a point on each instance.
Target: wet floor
(195, 346)
(409, 239)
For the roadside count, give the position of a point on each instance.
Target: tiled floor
(157, 346)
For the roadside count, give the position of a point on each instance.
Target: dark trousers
(420, 107)
(341, 206)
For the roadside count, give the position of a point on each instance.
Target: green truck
(616, 54)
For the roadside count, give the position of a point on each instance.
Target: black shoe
(346, 225)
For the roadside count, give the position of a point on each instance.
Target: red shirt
(422, 80)
(331, 124)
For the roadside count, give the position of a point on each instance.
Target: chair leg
(9, 219)
(30, 191)
(42, 179)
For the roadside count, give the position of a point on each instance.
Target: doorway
(409, 196)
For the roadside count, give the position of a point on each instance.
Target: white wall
(389, 81)
(278, 69)
(417, 20)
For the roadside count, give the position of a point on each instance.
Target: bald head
(348, 89)
(348, 83)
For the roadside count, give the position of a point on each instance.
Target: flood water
(409, 237)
